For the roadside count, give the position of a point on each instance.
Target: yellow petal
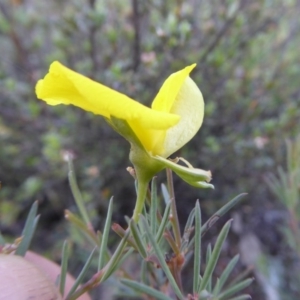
(189, 105)
(64, 86)
(148, 137)
(168, 92)
(179, 95)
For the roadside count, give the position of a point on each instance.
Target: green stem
(141, 196)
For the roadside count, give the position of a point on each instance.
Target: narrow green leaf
(76, 192)
(115, 257)
(241, 276)
(217, 288)
(168, 237)
(145, 289)
(235, 289)
(116, 266)
(165, 193)
(64, 267)
(121, 232)
(163, 223)
(127, 219)
(153, 206)
(29, 229)
(144, 272)
(225, 274)
(222, 211)
(174, 215)
(197, 251)
(82, 227)
(207, 259)
(79, 278)
(216, 216)
(200, 279)
(141, 230)
(137, 238)
(187, 231)
(208, 253)
(214, 256)
(190, 221)
(161, 259)
(104, 239)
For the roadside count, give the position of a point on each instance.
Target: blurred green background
(248, 69)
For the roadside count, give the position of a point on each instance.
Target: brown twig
(221, 33)
(92, 40)
(136, 51)
(21, 51)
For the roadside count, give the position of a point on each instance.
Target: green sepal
(145, 165)
(149, 165)
(196, 177)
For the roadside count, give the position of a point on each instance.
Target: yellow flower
(154, 133)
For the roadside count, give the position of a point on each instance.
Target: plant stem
(140, 199)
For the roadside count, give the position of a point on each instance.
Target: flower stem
(141, 196)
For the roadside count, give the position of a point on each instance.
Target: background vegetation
(247, 55)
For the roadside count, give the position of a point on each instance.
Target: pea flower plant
(154, 133)
(153, 232)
